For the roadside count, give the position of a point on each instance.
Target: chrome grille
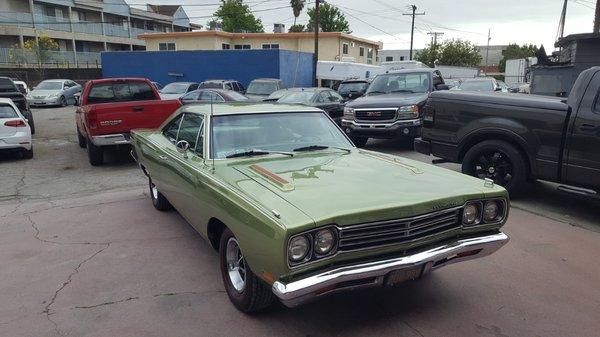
(375, 114)
(389, 232)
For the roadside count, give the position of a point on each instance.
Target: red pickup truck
(110, 108)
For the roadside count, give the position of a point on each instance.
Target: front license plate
(403, 275)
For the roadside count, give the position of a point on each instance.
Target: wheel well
(480, 138)
(214, 231)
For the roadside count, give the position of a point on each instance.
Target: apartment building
(333, 46)
(84, 28)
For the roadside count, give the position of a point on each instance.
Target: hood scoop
(272, 177)
(392, 160)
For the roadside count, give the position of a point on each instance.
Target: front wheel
(359, 141)
(499, 161)
(247, 292)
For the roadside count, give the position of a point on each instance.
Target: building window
(166, 46)
(225, 46)
(345, 49)
(242, 46)
(401, 58)
(270, 46)
(361, 51)
(389, 58)
(370, 53)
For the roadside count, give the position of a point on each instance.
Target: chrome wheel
(154, 191)
(236, 265)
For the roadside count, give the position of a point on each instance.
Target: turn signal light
(15, 123)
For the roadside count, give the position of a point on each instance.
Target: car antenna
(211, 134)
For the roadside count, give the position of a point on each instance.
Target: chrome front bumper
(114, 139)
(372, 274)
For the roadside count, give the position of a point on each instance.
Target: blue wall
(293, 68)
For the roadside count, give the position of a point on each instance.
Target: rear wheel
(95, 154)
(158, 200)
(247, 292)
(359, 141)
(499, 161)
(81, 140)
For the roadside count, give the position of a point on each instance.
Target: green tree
(457, 52)
(514, 51)
(296, 29)
(297, 7)
(236, 16)
(331, 19)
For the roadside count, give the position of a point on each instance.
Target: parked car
(503, 86)
(274, 97)
(353, 89)
(213, 95)
(515, 138)
(391, 108)
(53, 92)
(479, 84)
(15, 133)
(111, 107)
(323, 98)
(281, 193)
(261, 88)
(223, 84)
(8, 89)
(22, 86)
(176, 90)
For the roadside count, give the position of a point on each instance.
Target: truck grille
(389, 232)
(375, 114)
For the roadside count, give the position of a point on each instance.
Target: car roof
(478, 79)
(356, 80)
(407, 71)
(118, 79)
(221, 81)
(266, 80)
(182, 83)
(232, 108)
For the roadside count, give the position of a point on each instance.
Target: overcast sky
(510, 21)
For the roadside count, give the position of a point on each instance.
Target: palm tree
(297, 7)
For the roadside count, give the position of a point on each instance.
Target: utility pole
(561, 22)
(487, 49)
(597, 18)
(317, 24)
(412, 29)
(434, 36)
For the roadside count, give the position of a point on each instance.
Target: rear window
(213, 85)
(7, 111)
(120, 92)
(7, 85)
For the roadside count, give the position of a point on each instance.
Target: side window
(172, 129)
(189, 129)
(335, 97)
(193, 87)
(241, 87)
(211, 96)
(192, 96)
(323, 97)
(228, 86)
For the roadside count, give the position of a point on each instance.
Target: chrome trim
(403, 122)
(113, 139)
(309, 288)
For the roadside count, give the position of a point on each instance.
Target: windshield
(287, 131)
(261, 88)
(297, 97)
(403, 82)
(346, 88)
(175, 88)
(49, 85)
(7, 111)
(477, 86)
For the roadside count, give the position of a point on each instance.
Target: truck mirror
(442, 87)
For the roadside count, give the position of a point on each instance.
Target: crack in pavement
(107, 303)
(153, 296)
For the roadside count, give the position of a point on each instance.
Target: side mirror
(77, 98)
(183, 147)
(442, 87)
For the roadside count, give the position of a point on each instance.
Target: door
(583, 156)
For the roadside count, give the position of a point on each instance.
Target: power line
(368, 24)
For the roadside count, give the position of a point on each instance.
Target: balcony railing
(24, 57)
(52, 22)
(16, 19)
(87, 27)
(115, 30)
(139, 31)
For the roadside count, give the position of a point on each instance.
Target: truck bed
(500, 98)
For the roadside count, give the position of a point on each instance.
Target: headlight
(324, 241)
(53, 95)
(298, 248)
(348, 112)
(491, 210)
(409, 111)
(471, 214)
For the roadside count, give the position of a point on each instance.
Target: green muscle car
(296, 211)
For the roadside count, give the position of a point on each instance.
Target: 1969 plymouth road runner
(297, 212)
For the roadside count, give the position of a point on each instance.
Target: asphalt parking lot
(84, 253)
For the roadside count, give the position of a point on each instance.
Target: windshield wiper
(403, 90)
(257, 152)
(319, 147)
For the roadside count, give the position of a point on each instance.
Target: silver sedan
(53, 92)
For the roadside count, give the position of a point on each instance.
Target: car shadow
(389, 144)
(118, 156)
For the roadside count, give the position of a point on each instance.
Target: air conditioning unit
(279, 28)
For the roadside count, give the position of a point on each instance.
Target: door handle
(163, 157)
(588, 128)
(138, 108)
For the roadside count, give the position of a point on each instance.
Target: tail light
(428, 115)
(92, 119)
(16, 123)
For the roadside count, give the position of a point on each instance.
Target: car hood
(170, 96)
(388, 100)
(44, 92)
(256, 97)
(341, 188)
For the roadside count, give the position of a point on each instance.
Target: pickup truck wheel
(359, 141)
(95, 153)
(247, 292)
(158, 200)
(499, 161)
(81, 140)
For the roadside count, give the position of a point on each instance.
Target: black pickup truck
(513, 138)
(8, 89)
